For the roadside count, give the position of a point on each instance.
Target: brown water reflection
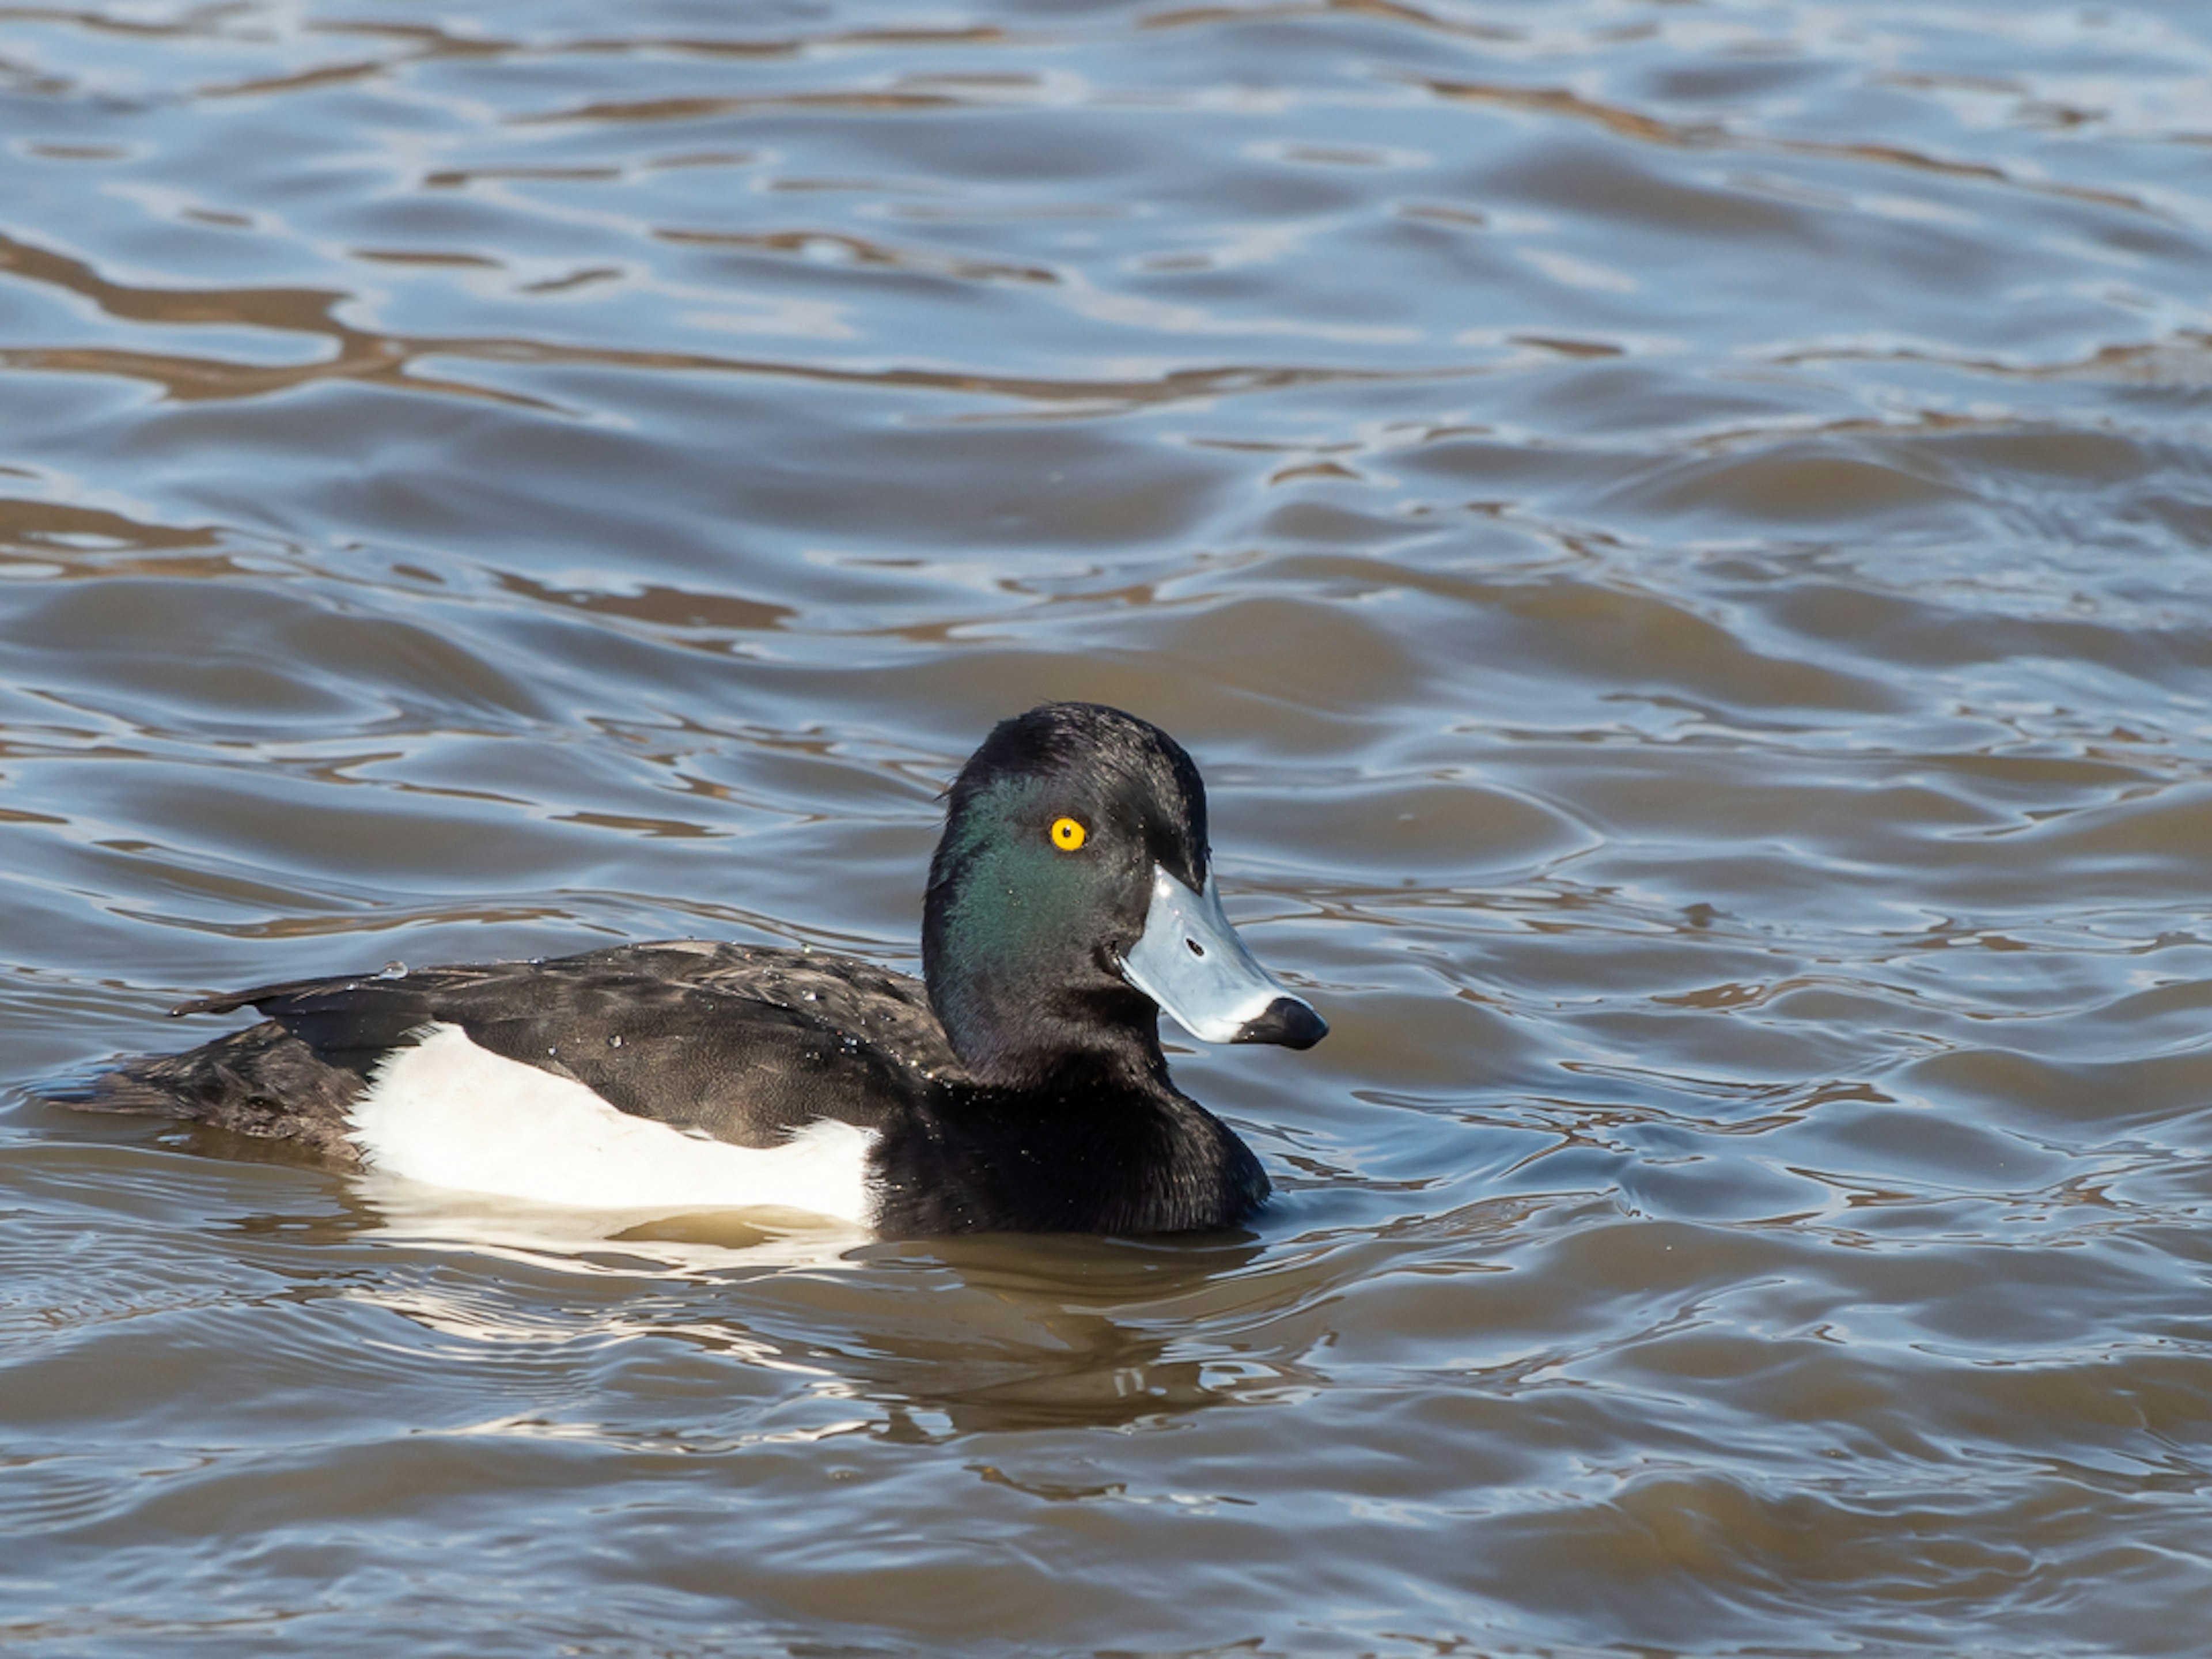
(1678, 535)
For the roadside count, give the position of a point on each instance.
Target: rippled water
(1679, 533)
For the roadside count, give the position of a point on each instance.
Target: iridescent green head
(1071, 896)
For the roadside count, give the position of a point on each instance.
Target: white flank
(446, 1112)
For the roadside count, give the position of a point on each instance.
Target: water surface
(1678, 535)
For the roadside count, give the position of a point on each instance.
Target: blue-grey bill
(1190, 960)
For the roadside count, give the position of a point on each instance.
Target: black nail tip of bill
(1285, 1021)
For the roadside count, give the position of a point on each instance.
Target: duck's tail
(262, 1081)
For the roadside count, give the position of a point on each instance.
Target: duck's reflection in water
(931, 1338)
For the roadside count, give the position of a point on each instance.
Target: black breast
(1141, 1161)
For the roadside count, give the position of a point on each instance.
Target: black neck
(1014, 1036)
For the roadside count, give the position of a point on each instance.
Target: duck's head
(1073, 896)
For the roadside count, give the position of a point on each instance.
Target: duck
(1018, 1086)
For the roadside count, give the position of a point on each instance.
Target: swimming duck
(1018, 1086)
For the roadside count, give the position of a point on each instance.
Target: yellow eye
(1068, 835)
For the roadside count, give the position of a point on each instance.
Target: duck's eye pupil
(1068, 835)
